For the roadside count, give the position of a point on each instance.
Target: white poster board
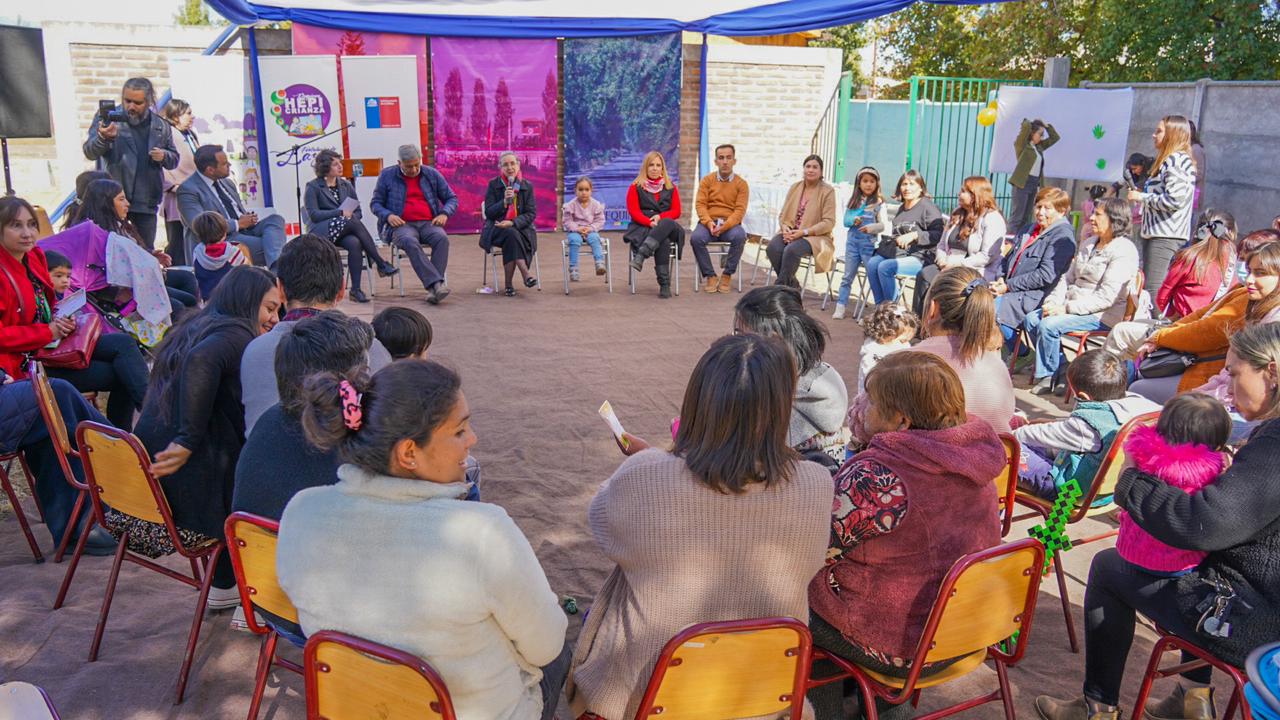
(300, 100)
(1093, 125)
(215, 87)
(381, 95)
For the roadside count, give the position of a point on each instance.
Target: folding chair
(251, 541)
(807, 264)
(986, 599)
(57, 427)
(353, 679)
(731, 669)
(118, 472)
(370, 272)
(1084, 338)
(608, 260)
(495, 253)
(1169, 642)
(1097, 500)
(675, 271)
(6, 462)
(24, 701)
(718, 249)
(1007, 481)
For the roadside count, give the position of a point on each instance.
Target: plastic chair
(608, 260)
(719, 249)
(57, 427)
(1007, 482)
(118, 472)
(1084, 337)
(251, 541)
(24, 701)
(349, 678)
(732, 669)
(1168, 642)
(986, 599)
(1101, 488)
(6, 460)
(675, 271)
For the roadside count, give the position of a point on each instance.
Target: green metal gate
(945, 143)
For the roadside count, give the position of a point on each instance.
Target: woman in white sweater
(972, 239)
(1093, 293)
(1167, 199)
(393, 553)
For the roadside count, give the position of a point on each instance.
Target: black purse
(887, 247)
(1164, 362)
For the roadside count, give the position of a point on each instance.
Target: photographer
(134, 145)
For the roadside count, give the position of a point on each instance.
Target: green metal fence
(945, 143)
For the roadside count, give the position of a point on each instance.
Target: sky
(134, 12)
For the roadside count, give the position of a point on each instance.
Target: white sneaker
(223, 598)
(573, 275)
(839, 313)
(238, 622)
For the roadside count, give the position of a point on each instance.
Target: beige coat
(819, 219)
(175, 177)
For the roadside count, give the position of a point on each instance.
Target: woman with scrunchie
(391, 552)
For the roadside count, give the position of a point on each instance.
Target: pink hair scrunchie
(352, 413)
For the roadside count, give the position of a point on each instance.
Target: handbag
(72, 352)
(1164, 362)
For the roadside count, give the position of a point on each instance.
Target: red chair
(6, 460)
(1007, 481)
(118, 472)
(1084, 337)
(987, 598)
(349, 678)
(57, 427)
(1169, 643)
(251, 541)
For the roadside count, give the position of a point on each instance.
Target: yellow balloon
(986, 117)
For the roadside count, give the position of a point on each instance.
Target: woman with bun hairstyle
(393, 553)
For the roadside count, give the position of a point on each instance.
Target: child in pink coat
(1184, 449)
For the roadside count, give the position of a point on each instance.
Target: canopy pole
(261, 124)
(704, 147)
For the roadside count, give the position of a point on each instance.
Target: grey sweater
(817, 415)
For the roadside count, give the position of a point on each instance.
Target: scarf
(654, 186)
(512, 209)
(1031, 239)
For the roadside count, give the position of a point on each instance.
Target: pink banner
(493, 96)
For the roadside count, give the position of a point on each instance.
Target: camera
(109, 112)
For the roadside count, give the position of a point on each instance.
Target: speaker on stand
(24, 90)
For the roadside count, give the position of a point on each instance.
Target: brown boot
(710, 285)
(1184, 704)
(1051, 708)
(726, 282)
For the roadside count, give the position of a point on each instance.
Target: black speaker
(24, 87)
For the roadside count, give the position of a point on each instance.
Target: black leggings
(785, 258)
(667, 233)
(355, 237)
(117, 367)
(177, 247)
(1116, 591)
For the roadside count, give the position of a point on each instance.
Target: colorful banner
(216, 87)
(621, 100)
(493, 96)
(311, 40)
(375, 88)
(300, 98)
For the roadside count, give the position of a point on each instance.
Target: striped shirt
(1166, 202)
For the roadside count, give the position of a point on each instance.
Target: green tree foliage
(851, 39)
(195, 13)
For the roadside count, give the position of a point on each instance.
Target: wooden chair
(251, 541)
(6, 461)
(1095, 501)
(1007, 481)
(57, 427)
(986, 599)
(352, 679)
(24, 701)
(118, 472)
(1083, 338)
(737, 668)
(1169, 642)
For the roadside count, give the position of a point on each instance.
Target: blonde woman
(1167, 199)
(654, 205)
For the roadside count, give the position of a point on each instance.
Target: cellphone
(606, 412)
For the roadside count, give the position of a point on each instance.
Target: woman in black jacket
(509, 213)
(193, 421)
(1035, 263)
(326, 218)
(1230, 603)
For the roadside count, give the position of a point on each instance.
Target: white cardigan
(982, 251)
(408, 564)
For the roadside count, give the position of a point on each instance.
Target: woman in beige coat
(178, 113)
(808, 215)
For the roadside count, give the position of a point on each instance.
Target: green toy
(1053, 532)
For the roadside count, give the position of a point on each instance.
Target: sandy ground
(535, 368)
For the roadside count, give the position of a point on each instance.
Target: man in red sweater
(413, 202)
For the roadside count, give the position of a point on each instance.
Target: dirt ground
(534, 368)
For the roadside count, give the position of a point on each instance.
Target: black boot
(664, 281)
(642, 252)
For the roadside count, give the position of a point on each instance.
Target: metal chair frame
(675, 272)
(1169, 642)
(720, 249)
(51, 415)
(608, 260)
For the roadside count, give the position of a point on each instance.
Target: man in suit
(208, 189)
(413, 202)
(135, 152)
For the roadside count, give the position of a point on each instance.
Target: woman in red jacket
(654, 204)
(1201, 271)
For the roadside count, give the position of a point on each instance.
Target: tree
(479, 114)
(196, 13)
(502, 113)
(452, 130)
(549, 116)
(851, 39)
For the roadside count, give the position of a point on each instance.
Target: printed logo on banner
(382, 112)
(301, 110)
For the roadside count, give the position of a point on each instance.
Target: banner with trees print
(492, 96)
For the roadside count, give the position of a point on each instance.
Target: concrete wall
(1240, 132)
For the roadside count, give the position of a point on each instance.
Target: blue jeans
(882, 274)
(1047, 334)
(735, 236)
(858, 251)
(575, 242)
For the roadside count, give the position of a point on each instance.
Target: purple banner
(492, 96)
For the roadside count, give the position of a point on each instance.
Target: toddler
(1186, 450)
(59, 272)
(888, 328)
(404, 332)
(214, 256)
(584, 218)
